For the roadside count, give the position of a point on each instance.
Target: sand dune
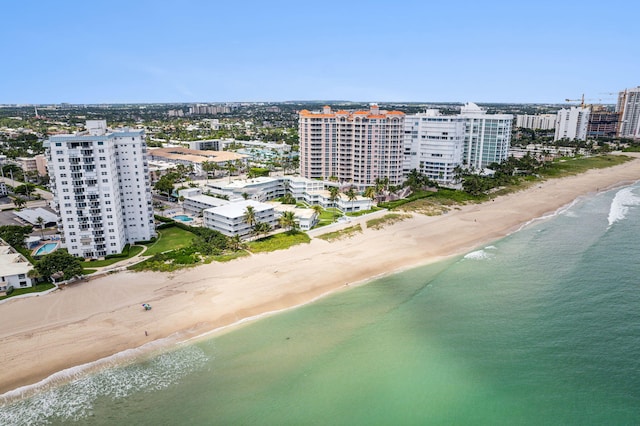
(89, 321)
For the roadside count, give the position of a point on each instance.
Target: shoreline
(90, 322)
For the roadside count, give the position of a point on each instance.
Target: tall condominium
(487, 136)
(100, 182)
(356, 147)
(434, 144)
(536, 121)
(572, 123)
(629, 109)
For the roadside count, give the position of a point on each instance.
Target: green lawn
(133, 251)
(36, 289)
(170, 239)
(278, 242)
(328, 216)
(373, 209)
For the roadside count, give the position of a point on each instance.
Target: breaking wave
(620, 204)
(481, 254)
(76, 399)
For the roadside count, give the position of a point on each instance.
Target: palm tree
(381, 185)
(19, 202)
(370, 192)
(295, 164)
(40, 221)
(240, 165)
(352, 195)
(288, 220)
(235, 243)
(250, 216)
(231, 168)
(35, 276)
(262, 228)
(209, 166)
(333, 197)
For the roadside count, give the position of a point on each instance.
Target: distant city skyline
(161, 52)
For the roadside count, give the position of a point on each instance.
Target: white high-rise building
(487, 136)
(629, 109)
(356, 147)
(572, 123)
(434, 144)
(536, 121)
(101, 187)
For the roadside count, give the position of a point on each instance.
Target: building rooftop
(238, 209)
(31, 215)
(12, 263)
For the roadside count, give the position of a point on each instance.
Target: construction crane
(582, 99)
(576, 100)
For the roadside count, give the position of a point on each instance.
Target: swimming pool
(183, 218)
(45, 249)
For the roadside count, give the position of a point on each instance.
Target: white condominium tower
(101, 187)
(572, 123)
(629, 109)
(434, 144)
(487, 136)
(537, 121)
(355, 147)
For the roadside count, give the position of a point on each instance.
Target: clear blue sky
(96, 51)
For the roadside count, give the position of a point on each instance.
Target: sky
(139, 51)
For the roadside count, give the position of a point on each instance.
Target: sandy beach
(89, 321)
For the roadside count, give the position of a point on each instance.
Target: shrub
(166, 225)
(9, 290)
(162, 218)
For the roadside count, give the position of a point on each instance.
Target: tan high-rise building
(353, 146)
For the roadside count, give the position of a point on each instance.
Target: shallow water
(541, 327)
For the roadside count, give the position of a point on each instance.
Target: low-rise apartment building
(229, 219)
(14, 268)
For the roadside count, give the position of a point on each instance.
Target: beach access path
(89, 321)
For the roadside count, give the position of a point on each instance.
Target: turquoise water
(46, 249)
(542, 327)
(183, 218)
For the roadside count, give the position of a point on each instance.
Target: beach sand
(89, 321)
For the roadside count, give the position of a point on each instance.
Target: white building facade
(487, 136)
(572, 123)
(14, 268)
(434, 144)
(629, 109)
(229, 219)
(536, 121)
(356, 147)
(102, 192)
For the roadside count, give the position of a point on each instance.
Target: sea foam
(76, 399)
(620, 204)
(478, 255)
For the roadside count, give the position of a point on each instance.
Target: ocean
(541, 327)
